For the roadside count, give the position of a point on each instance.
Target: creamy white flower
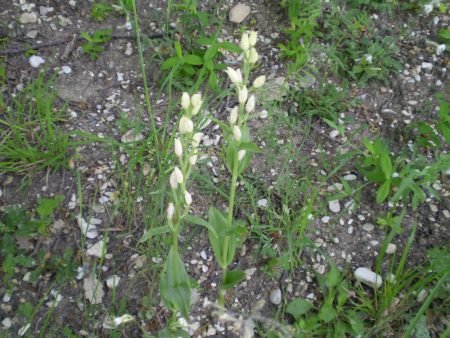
(237, 133)
(259, 81)
(196, 140)
(193, 159)
(252, 38)
(253, 56)
(196, 99)
(243, 95)
(186, 125)
(428, 8)
(170, 211)
(187, 198)
(440, 49)
(178, 147)
(196, 109)
(241, 154)
(250, 106)
(234, 75)
(368, 58)
(233, 115)
(123, 319)
(245, 44)
(185, 101)
(176, 178)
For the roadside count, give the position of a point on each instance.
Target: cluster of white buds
(186, 150)
(248, 42)
(246, 101)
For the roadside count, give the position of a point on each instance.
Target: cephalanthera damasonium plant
(174, 281)
(226, 233)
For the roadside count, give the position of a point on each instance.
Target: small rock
(239, 13)
(350, 177)
(45, 10)
(427, 65)
(132, 136)
(275, 296)
(334, 133)
(66, 69)
(391, 248)
(262, 203)
(368, 277)
(26, 18)
(93, 289)
(113, 281)
(334, 206)
(263, 114)
(433, 208)
(96, 250)
(89, 230)
(325, 219)
(368, 227)
(32, 34)
(7, 323)
(35, 61)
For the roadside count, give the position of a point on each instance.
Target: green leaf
(327, 313)
(174, 284)
(386, 165)
(178, 49)
(210, 53)
(298, 307)
(233, 278)
(46, 206)
(230, 47)
(200, 221)
(154, 232)
(249, 146)
(383, 191)
(170, 62)
(212, 81)
(333, 277)
(193, 59)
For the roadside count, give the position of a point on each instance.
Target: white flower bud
(178, 147)
(193, 160)
(196, 140)
(176, 178)
(196, 109)
(243, 94)
(252, 38)
(259, 81)
(233, 115)
(187, 198)
(244, 42)
(185, 101)
(186, 125)
(196, 99)
(237, 133)
(234, 75)
(241, 154)
(250, 106)
(253, 56)
(170, 211)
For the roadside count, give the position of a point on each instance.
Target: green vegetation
(266, 204)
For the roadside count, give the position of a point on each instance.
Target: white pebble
(334, 206)
(368, 277)
(391, 248)
(275, 296)
(35, 61)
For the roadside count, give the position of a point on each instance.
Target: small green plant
(15, 222)
(100, 11)
(334, 317)
(94, 43)
(303, 16)
(203, 62)
(30, 136)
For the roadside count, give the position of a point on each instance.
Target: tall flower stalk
(226, 233)
(174, 280)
